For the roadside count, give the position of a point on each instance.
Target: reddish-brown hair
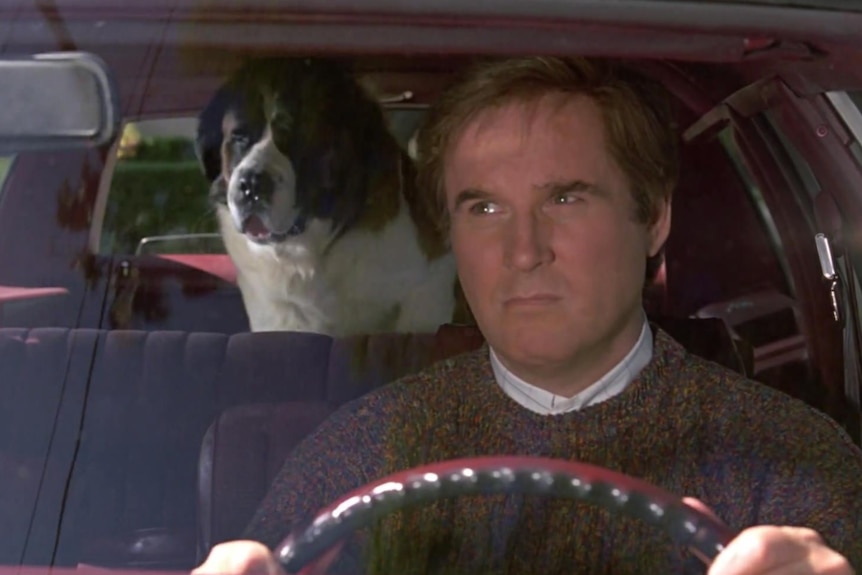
(637, 115)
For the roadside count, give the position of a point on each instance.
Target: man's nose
(527, 245)
(254, 188)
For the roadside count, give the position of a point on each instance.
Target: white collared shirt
(613, 382)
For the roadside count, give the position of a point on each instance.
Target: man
(554, 178)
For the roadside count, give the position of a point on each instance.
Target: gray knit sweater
(754, 455)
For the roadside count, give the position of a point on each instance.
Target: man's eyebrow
(469, 195)
(557, 187)
(570, 186)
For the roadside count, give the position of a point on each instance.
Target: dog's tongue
(255, 227)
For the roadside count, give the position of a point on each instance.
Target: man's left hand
(776, 550)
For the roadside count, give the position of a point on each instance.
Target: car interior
(141, 423)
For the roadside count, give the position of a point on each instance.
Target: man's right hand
(239, 558)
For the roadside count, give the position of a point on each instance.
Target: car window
(142, 415)
(848, 105)
(157, 201)
(804, 182)
(772, 318)
(5, 163)
(157, 195)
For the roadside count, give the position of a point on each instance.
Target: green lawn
(4, 165)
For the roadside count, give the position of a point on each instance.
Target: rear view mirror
(57, 100)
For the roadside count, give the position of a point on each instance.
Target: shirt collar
(613, 382)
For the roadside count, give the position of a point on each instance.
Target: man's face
(549, 253)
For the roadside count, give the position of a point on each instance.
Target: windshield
(264, 288)
(839, 5)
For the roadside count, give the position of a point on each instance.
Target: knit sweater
(752, 454)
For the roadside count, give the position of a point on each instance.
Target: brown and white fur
(317, 205)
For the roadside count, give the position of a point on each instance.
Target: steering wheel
(305, 549)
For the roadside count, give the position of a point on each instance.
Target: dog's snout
(255, 188)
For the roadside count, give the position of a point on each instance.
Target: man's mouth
(532, 300)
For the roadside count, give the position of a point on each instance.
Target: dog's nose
(255, 187)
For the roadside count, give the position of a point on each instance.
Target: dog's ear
(358, 176)
(361, 159)
(209, 134)
(209, 157)
(329, 182)
(218, 192)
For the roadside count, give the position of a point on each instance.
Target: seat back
(241, 455)
(101, 431)
(246, 446)
(43, 378)
(131, 498)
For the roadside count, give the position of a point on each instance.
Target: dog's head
(288, 140)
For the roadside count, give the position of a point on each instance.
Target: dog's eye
(282, 121)
(240, 137)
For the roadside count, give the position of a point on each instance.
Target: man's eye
(565, 198)
(484, 208)
(240, 137)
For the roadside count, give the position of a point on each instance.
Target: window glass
(5, 164)
(141, 422)
(848, 105)
(158, 202)
(157, 193)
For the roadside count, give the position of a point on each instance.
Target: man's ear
(660, 229)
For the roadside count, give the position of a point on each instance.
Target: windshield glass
(315, 254)
(839, 5)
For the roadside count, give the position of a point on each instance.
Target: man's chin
(535, 344)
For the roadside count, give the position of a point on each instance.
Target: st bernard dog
(317, 205)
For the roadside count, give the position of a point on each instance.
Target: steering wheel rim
(614, 491)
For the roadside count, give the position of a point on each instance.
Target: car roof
(170, 55)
